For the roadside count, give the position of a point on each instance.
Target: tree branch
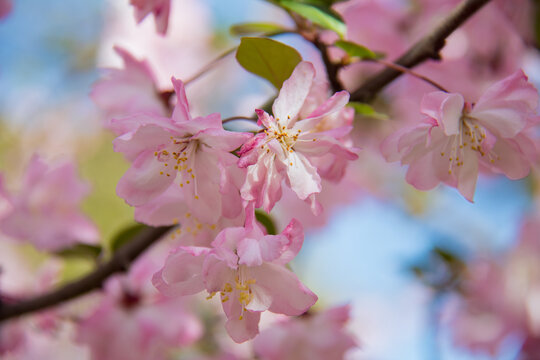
(118, 263)
(426, 48)
(331, 68)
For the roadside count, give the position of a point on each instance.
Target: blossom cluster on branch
(239, 193)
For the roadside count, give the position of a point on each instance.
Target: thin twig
(405, 70)
(223, 55)
(426, 48)
(210, 65)
(118, 263)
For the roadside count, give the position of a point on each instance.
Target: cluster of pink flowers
(247, 268)
(190, 171)
(311, 337)
(143, 323)
(184, 171)
(501, 299)
(45, 209)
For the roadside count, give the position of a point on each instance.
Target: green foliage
(125, 236)
(357, 51)
(266, 220)
(442, 270)
(256, 28)
(267, 58)
(367, 110)
(319, 13)
(74, 268)
(103, 168)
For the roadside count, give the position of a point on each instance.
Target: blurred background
(371, 248)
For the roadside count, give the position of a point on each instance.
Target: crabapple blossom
(501, 298)
(123, 92)
(247, 268)
(288, 145)
(45, 210)
(170, 208)
(310, 337)
(459, 139)
(160, 9)
(45, 332)
(190, 155)
(134, 321)
(40, 344)
(330, 166)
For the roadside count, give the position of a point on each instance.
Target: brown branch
(405, 70)
(426, 48)
(331, 67)
(118, 263)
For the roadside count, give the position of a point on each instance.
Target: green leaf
(320, 15)
(267, 58)
(367, 110)
(356, 50)
(125, 235)
(255, 28)
(80, 251)
(266, 220)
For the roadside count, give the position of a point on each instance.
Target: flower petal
(303, 177)
(294, 232)
(293, 93)
(289, 295)
(182, 273)
(245, 329)
(181, 109)
(467, 175)
(446, 108)
(143, 180)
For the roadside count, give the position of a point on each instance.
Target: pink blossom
(160, 9)
(41, 333)
(363, 19)
(247, 269)
(133, 321)
(171, 208)
(127, 91)
(40, 344)
(331, 166)
(287, 147)
(458, 139)
(45, 210)
(310, 337)
(501, 298)
(191, 156)
(137, 331)
(482, 321)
